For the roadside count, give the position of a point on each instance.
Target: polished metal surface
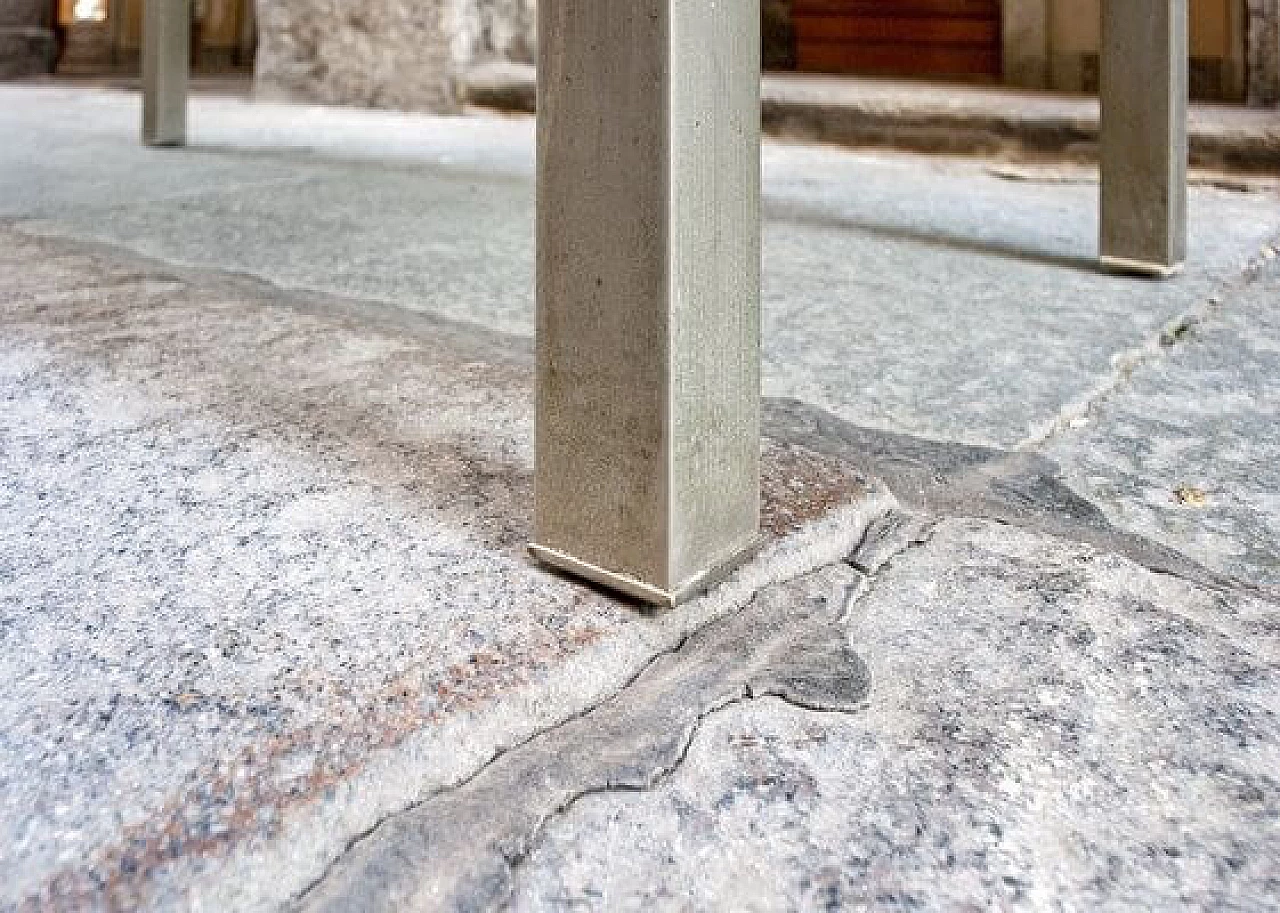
(1144, 135)
(648, 272)
(166, 37)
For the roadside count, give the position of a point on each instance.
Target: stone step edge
(885, 122)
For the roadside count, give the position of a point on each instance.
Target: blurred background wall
(414, 54)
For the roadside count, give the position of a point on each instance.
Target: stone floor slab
(927, 296)
(263, 582)
(1046, 727)
(1187, 452)
(265, 466)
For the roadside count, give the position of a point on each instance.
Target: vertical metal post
(648, 231)
(166, 37)
(1144, 135)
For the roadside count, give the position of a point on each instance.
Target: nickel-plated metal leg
(166, 51)
(648, 250)
(1144, 135)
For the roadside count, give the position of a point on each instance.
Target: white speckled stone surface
(925, 296)
(265, 486)
(1047, 728)
(1205, 419)
(262, 577)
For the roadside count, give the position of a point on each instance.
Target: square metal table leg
(166, 51)
(1144, 136)
(648, 264)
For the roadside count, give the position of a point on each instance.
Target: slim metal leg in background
(1144, 136)
(166, 52)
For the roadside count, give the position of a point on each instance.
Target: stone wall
(1264, 52)
(27, 44)
(414, 54)
(406, 54)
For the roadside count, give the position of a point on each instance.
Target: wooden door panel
(899, 37)
(967, 32)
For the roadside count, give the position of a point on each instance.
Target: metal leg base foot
(638, 589)
(1141, 268)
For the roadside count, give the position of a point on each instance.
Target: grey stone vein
(809, 667)
(751, 692)
(944, 479)
(1049, 725)
(301, 897)
(784, 644)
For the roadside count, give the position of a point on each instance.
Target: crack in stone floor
(1158, 345)
(779, 645)
(944, 479)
